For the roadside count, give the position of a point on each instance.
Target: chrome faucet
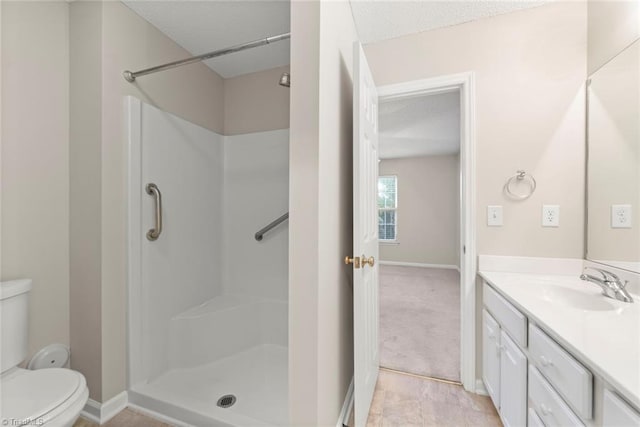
(610, 283)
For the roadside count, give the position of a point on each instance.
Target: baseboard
(100, 413)
(347, 407)
(420, 264)
(157, 416)
(480, 388)
(91, 411)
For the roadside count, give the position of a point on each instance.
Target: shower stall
(208, 308)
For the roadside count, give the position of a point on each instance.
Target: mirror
(613, 165)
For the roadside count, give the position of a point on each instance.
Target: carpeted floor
(420, 321)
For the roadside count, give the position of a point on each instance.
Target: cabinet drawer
(548, 404)
(572, 380)
(534, 420)
(510, 319)
(617, 413)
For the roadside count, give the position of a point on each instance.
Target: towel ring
(520, 176)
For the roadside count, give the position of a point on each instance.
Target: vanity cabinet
(535, 381)
(504, 363)
(514, 354)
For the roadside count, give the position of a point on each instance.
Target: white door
(513, 384)
(491, 357)
(365, 236)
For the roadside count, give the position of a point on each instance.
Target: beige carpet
(420, 321)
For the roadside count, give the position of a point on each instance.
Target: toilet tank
(14, 322)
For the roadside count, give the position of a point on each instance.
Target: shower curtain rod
(131, 76)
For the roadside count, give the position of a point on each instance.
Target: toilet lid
(33, 394)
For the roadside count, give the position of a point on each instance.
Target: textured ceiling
(207, 25)
(421, 126)
(204, 26)
(382, 20)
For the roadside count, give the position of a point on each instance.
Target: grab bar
(271, 225)
(153, 190)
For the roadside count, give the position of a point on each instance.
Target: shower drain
(226, 401)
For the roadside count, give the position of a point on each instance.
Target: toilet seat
(43, 395)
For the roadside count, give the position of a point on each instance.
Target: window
(387, 207)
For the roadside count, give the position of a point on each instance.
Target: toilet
(46, 397)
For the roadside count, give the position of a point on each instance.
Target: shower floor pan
(257, 377)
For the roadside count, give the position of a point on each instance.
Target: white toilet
(50, 397)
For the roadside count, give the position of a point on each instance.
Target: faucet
(610, 283)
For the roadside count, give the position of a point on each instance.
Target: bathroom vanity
(555, 352)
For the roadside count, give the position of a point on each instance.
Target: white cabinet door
(513, 383)
(491, 357)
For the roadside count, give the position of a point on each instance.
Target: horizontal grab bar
(260, 234)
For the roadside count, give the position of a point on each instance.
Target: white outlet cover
(494, 216)
(620, 216)
(551, 215)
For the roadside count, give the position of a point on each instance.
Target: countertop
(603, 334)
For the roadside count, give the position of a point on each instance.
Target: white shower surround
(212, 311)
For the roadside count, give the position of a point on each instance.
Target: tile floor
(403, 400)
(399, 400)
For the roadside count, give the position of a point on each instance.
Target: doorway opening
(426, 229)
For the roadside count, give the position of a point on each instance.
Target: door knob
(371, 261)
(355, 261)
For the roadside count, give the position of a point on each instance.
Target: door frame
(465, 83)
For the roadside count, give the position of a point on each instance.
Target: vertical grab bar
(153, 190)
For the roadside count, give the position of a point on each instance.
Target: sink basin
(577, 299)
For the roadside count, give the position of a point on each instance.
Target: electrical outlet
(550, 215)
(620, 216)
(494, 216)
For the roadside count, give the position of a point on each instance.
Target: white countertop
(604, 334)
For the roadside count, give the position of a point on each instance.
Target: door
(365, 236)
(491, 357)
(513, 383)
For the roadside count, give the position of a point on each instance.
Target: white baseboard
(420, 264)
(158, 416)
(347, 407)
(480, 388)
(91, 411)
(100, 413)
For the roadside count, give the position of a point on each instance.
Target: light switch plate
(494, 216)
(620, 216)
(550, 215)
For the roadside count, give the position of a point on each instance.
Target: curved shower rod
(131, 76)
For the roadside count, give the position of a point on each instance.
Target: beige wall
(85, 165)
(124, 41)
(613, 25)
(35, 150)
(256, 102)
(304, 212)
(320, 294)
(529, 115)
(335, 297)
(428, 213)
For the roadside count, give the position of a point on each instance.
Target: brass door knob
(355, 261)
(371, 261)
